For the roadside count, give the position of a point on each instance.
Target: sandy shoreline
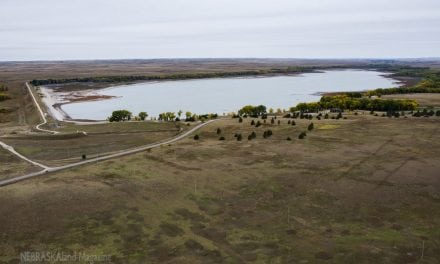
(54, 101)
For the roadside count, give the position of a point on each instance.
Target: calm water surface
(225, 95)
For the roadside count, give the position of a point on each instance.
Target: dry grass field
(359, 190)
(99, 140)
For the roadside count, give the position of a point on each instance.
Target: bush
(240, 120)
(250, 137)
(326, 116)
(221, 138)
(219, 131)
(252, 123)
(84, 156)
(310, 127)
(253, 134)
(288, 122)
(239, 137)
(267, 133)
(279, 122)
(196, 137)
(302, 135)
(288, 138)
(437, 113)
(293, 123)
(258, 123)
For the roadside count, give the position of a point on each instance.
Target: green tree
(143, 115)
(120, 115)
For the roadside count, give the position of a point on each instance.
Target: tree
(143, 115)
(120, 115)
(179, 113)
(188, 115)
(310, 127)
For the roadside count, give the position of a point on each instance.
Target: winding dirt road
(47, 169)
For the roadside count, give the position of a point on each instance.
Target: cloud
(91, 29)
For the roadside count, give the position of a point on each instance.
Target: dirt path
(47, 169)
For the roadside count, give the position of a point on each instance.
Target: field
(359, 190)
(71, 144)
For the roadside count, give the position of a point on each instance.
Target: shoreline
(54, 98)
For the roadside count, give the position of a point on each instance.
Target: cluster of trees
(253, 111)
(178, 76)
(3, 87)
(167, 116)
(4, 96)
(120, 115)
(344, 102)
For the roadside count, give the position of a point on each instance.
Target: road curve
(43, 117)
(119, 154)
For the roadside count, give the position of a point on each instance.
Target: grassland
(97, 140)
(359, 190)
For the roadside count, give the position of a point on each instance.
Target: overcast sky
(110, 29)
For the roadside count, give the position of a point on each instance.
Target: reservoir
(225, 95)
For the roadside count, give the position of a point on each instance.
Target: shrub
(240, 120)
(279, 122)
(252, 123)
(250, 137)
(302, 135)
(272, 121)
(84, 156)
(196, 137)
(239, 137)
(326, 116)
(219, 131)
(293, 123)
(221, 138)
(310, 127)
(258, 123)
(253, 134)
(288, 122)
(437, 113)
(288, 138)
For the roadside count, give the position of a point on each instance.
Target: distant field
(358, 190)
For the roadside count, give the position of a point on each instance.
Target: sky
(144, 29)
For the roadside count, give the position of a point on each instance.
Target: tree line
(177, 76)
(344, 102)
